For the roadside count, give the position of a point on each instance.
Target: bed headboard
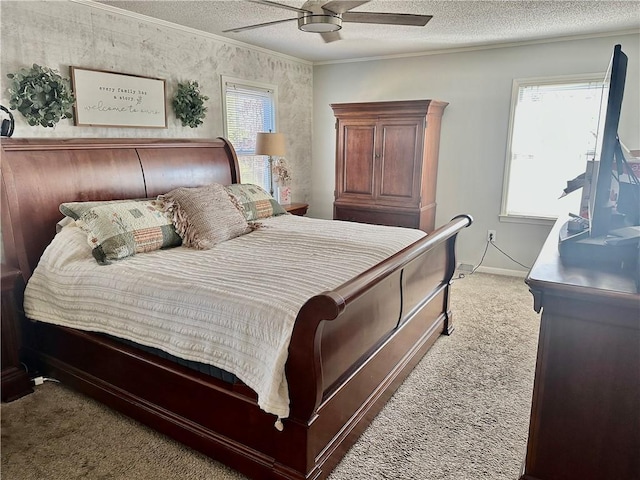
(40, 174)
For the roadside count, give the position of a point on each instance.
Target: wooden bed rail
(48, 144)
(350, 290)
(328, 306)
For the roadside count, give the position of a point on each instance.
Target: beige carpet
(463, 413)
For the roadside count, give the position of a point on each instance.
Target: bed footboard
(366, 336)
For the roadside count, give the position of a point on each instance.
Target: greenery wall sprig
(188, 104)
(41, 95)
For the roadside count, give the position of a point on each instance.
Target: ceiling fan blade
(329, 37)
(258, 25)
(386, 18)
(279, 5)
(342, 6)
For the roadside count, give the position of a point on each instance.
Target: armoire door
(355, 172)
(399, 157)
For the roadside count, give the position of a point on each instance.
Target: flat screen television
(612, 238)
(603, 187)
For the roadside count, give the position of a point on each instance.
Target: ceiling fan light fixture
(319, 23)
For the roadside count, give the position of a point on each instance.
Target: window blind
(549, 92)
(249, 110)
(552, 137)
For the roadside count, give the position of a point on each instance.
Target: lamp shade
(270, 144)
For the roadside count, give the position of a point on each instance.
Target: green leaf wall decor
(188, 104)
(41, 95)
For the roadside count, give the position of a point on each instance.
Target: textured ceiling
(455, 24)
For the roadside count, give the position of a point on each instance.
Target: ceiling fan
(325, 18)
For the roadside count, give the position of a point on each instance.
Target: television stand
(585, 420)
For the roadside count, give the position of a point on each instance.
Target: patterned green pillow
(76, 209)
(120, 229)
(254, 201)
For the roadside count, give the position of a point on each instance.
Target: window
(552, 134)
(249, 108)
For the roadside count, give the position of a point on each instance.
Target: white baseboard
(465, 268)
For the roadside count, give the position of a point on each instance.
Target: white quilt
(233, 306)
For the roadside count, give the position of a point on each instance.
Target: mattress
(207, 369)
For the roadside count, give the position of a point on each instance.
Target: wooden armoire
(387, 162)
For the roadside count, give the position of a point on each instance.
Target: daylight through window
(552, 134)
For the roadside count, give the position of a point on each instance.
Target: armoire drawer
(377, 217)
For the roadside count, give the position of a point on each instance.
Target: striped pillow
(117, 230)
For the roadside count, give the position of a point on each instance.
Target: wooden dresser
(585, 415)
(387, 162)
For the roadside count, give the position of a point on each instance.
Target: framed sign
(108, 99)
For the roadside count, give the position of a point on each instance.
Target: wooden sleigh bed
(391, 315)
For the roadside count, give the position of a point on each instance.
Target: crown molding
(192, 31)
(490, 46)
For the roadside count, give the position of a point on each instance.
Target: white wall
(61, 33)
(477, 84)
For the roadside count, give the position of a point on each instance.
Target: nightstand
(15, 381)
(297, 208)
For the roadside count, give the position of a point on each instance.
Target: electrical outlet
(491, 235)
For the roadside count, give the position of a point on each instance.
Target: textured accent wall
(62, 33)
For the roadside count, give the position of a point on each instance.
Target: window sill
(546, 221)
